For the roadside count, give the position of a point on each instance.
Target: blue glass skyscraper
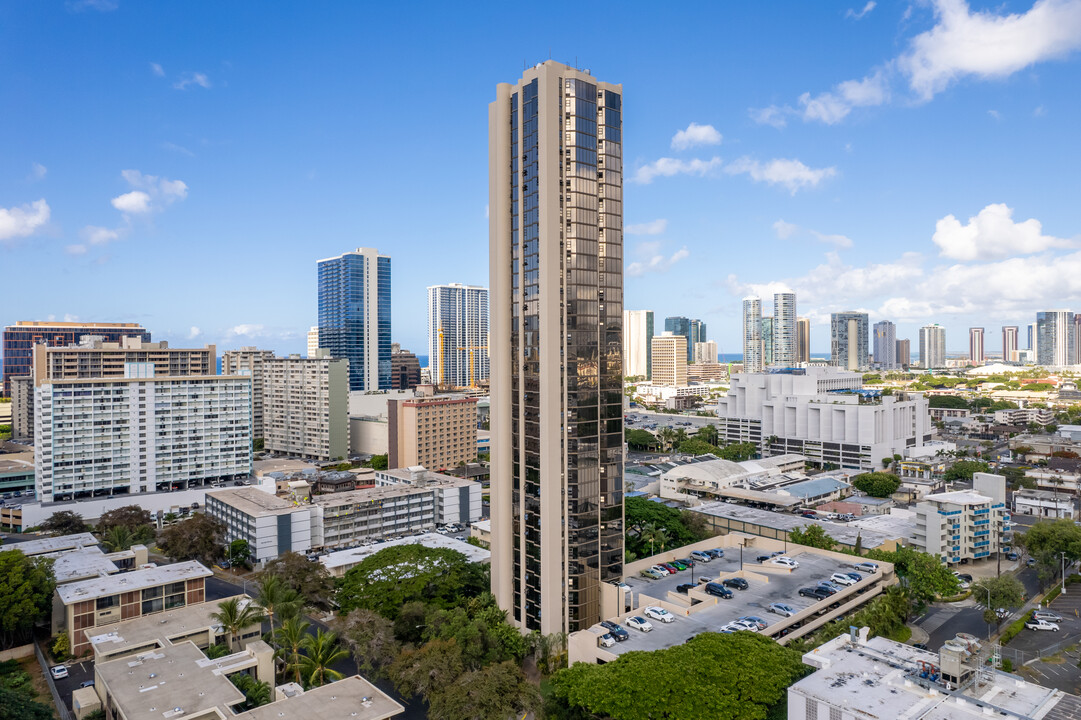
(354, 315)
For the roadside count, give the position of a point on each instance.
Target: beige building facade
(22, 407)
(669, 359)
(93, 358)
(306, 406)
(249, 361)
(437, 432)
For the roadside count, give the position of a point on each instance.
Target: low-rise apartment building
(1024, 416)
(306, 406)
(271, 525)
(1043, 504)
(964, 525)
(349, 518)
(822, 414)
(437, 432)
(457, 500)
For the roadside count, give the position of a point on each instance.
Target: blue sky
(184, 165)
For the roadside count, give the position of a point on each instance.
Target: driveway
(78, 672)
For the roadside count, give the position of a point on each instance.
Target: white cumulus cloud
(667, 167)
(832, 107)
(37, 172)
(188, 80)
(194, 332)
(24, 220)
(859, 14)
(772, 115)
(98, 235)
(653, 227)
(784, 229)
(651, 260)
(157, 69)
(249, 330)
(149, 193)
(790, 173)
(696, 135)
(132, 203)
(993, 234)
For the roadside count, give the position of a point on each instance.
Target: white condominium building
(249, 361)
(271, 525)
(140, 433)
(963, 525)
(784, 329)
(458, 334)
(669, 359)
(752, 335)
(932, 346)
(306, 406)
(819, 412)
(705, 352)
(637, 339)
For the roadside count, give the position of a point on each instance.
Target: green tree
(1045, 540)
(216, 651)
(118, 538)
(708, 434)
(377, 462)
(65, 522)
(667, 437)
(694, 446)
(238, 552)
(953, 402)
(277, 600)
(15, 705)
(811, 536)
(290, 639)
(737, 676)
(965, 469)
(640, 512)
(371, 638)
(923, 576)
(236, 614)
(481, 630)
(877, 484)
(309, 579)
(738, 452)
(428, 669)
(132, 517)
(26, 594)
(640, 439)
(256, 693)
(388, 579)
(495, 691)
(1004, 591)
(321, 652)
(197, 538)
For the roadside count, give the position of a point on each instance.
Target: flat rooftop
(422, 477)
(898, 523)
(154, 685)
(785, 522)
(159, 629)
(80, 563)
(351, 698)
(135, 580)
(13, 463)
(959, 497)
(348, 558)
(254, 501)
(262, 467)
(351, 497)
(54, 544)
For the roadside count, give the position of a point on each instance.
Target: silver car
(1047, 616)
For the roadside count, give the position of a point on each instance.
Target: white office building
(752, 335)
(885, 345)
(966, 524)
(457, 500)
(818, 412)
(271, 525)
(705, 351)
(458, 334)
(637, 343)
(138, 434)
(784, 330)
(932, 346)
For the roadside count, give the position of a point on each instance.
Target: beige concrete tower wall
(853, 347)
(669, 359)
(499, 259)
(803, 340)
(338, 406)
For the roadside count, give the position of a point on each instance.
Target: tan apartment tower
(437, 432)
(249, 361)
(975, 346)
(306, 406)
(669, 359)
(1010, 336)
(803, 340)
(556, 253)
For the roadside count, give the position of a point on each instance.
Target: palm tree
(118, 538)
(277, 598)
(290, 639)
(235, 614)
(708, 433)
(653, 534)
(681, 435)
(667, 436)
(320, 652)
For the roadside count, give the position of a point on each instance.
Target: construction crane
(472, 375)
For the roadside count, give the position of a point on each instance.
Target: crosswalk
(938, 619)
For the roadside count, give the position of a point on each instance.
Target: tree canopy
(737, 676)
(310, 580)
(877, 484)
(197, 538)
(640, 439)
(812, 536)
(65, 522)
(965, 469)
(131, 517)
(923, 575)
(1004, 591)
(680, 527)
(953, 402)
(26, 595)
(385, 581)
(495, 691)
(1045, 540)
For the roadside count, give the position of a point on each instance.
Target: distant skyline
(182, 167)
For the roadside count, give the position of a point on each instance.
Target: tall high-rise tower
(1055, 338)
(458, 334)
(354, 315)
(803, 340)
(784, 329)
(555, 157)
(1009, 343)
(848, 340)
(691, 328)
(932, 346)
(975, 346)
(885, 345)
(637, 348)
(752, 335)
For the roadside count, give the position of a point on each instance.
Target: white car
(58, 672)
(733, 627)
(841, 579)
(606, 640)
(1041, 625)
(661, 569)
(784, 560)
(659, 613)
(639, 623)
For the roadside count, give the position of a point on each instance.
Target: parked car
(842, 579)
(785, 561)
(1012, 556)
(965, 576)
(736, 582)
(704, 580)
(828, 586)
(1031, 562)
(717, 552)
(616, 630)
(672, 569)
(685, 588)
(809, 514)
(658, 613)
(920, 646)
(815, 592)
(718, 590)
(678, 564)
(867, 567)
(759, 622)
(762, 558)
(86, 683)
(58, 672)
(663, 570)
(639, 623)
(781, 609)
(687, 561)
(1002, 613)
(1046, 615)
(701, 556)
(734, 628)
(606, 640)
(745, 625)
(855, 576)
(654, 573)
(1035, 624)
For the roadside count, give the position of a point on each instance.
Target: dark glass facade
(349, 326)
(693, 330)
(405, 370)
(19, 341)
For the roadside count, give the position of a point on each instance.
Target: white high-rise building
(306, 406)
(784, 330)
(637, 349)
(1055, 338)
(705, 352)
(313, 340)
(752, 335)
(932, 346)
(975, 346)
(556, 259)
(885, 345)
(249, 361)
(458, 334)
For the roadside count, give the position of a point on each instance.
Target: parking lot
(781, 587)
(1068, 605)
